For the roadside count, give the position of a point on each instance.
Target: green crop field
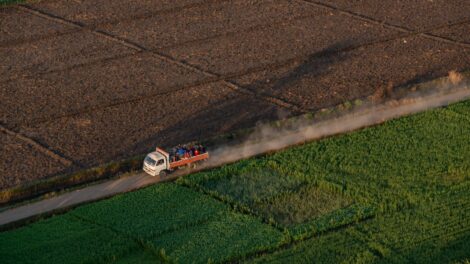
(394, 193)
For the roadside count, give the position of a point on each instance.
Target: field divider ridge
(41, 148)
(389, 25)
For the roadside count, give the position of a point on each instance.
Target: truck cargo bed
(189, 160)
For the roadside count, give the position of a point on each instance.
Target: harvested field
(102, 80)
(135, 127)
(19, 161)
(56, 53)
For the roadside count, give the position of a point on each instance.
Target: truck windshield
(149, 161)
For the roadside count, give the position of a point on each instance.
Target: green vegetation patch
(140, 256)
(153, 210)
(437, 232)
(338, 247)
(300, 206)
(9, 2)
(252, 184)
(283, 198)
(63, 239)
(395, 165)
(228, 237)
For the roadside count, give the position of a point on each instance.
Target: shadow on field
(315, 65)
(239, 112)
(222, 117)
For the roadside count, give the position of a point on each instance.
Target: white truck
(161, 162)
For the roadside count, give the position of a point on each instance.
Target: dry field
(87, 82)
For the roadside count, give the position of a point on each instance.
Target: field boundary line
(388, 25)
(110, 22)
(293, 243)
(41, 148)
(127, 43)
(232, 205)
(79, 25)
(210, 80)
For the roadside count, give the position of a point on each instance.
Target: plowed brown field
(88, 82)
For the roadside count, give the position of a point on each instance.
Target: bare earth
(87, 82)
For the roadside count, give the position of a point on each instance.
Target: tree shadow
(229, 115)
(315, 65)
(223, 117)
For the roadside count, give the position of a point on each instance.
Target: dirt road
(348, 122)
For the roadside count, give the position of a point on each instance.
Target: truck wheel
(163, 173)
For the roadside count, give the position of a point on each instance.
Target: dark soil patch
(22, 163)
(17, 26)
(417, 15)
(100, 11)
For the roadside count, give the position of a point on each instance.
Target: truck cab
(156, 163)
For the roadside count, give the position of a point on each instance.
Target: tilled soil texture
(417, 14)
(22, 162)
(328, 77)
(96, 81)
(460, 32)
(134, 128)
(93, 87)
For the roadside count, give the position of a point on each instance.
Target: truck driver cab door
(160, 166)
